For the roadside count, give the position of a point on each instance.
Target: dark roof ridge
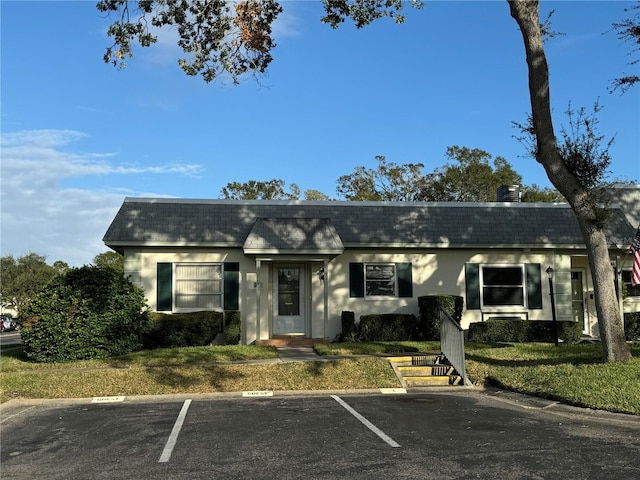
(347, 203)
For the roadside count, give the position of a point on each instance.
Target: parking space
(438, 435)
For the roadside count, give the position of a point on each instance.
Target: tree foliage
(583, 151)
(268, 190)
(629, 30)
(23, 278)
(217, 36)
(260, 190)
(110, 259)
(469, 178)
(387, 182)
(89, 312)
(534, 193)
(312, 194)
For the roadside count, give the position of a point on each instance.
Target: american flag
(635, 251)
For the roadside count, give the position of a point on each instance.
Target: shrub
(429, 307)
(387, 327)
(232, 327)
(348, 333)
(632, 326)
(183, 329)
(89, 312)
(521, 331)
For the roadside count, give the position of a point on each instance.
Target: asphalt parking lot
(323, 436)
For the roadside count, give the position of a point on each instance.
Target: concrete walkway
(299, 354)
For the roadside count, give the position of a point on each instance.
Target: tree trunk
(615, 348)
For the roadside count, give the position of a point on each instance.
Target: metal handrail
(452, 343)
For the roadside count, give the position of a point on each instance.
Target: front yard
(572, 374)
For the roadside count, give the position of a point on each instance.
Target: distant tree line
(471, 175)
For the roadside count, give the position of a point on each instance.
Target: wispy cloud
(40, 215)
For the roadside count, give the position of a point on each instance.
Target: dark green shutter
(472, 285)
(165, 287)
(534, 286)
(356, 279)
(405, 282)
(231, 278)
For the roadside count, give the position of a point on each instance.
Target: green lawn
(572, 374)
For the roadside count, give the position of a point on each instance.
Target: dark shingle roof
(293, 235)
(147, 221)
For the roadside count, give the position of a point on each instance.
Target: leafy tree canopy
(220, 37)
(109, 259)
(260, 190)
(24, 277)
(387, 182)
(268, 190)
(534, 193)
(469, 177)
(217, 36)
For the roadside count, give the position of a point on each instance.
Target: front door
(288, 300)
(578, 298)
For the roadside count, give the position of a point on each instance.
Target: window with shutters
(631, 290)
(198, 286)
(380, 280)
(503, 285)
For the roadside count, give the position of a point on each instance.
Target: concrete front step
(290, 341)
(424, 370)
(433, 380)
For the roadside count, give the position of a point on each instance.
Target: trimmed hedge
(183, 329)
(89, 312)
(522, 331)
(632, 326)
(429, 307)
(387, 327)
(348, 327)
(232, 327)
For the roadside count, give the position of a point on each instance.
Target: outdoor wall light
(549, 271)
(320, 274)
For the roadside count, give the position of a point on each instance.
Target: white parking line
(171, 442)
(367, 423)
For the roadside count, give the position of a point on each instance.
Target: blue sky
(78, 135)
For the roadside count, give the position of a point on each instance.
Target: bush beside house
(349, 331)
(387, 327)
(88, 312)
(232, 327)
(183, 329)
(632, 326)
(522, 331)
(429, 307)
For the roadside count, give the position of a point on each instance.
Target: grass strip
(357, 373)
(572, 374)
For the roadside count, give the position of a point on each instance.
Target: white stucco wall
(434, 271)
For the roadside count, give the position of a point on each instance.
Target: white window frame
(523, 286)
(633, 298)
(176, 289)
(368, 281)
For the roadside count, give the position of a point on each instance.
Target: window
(632, 291)
(198, 286)
(502, 285)
(380, 280)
